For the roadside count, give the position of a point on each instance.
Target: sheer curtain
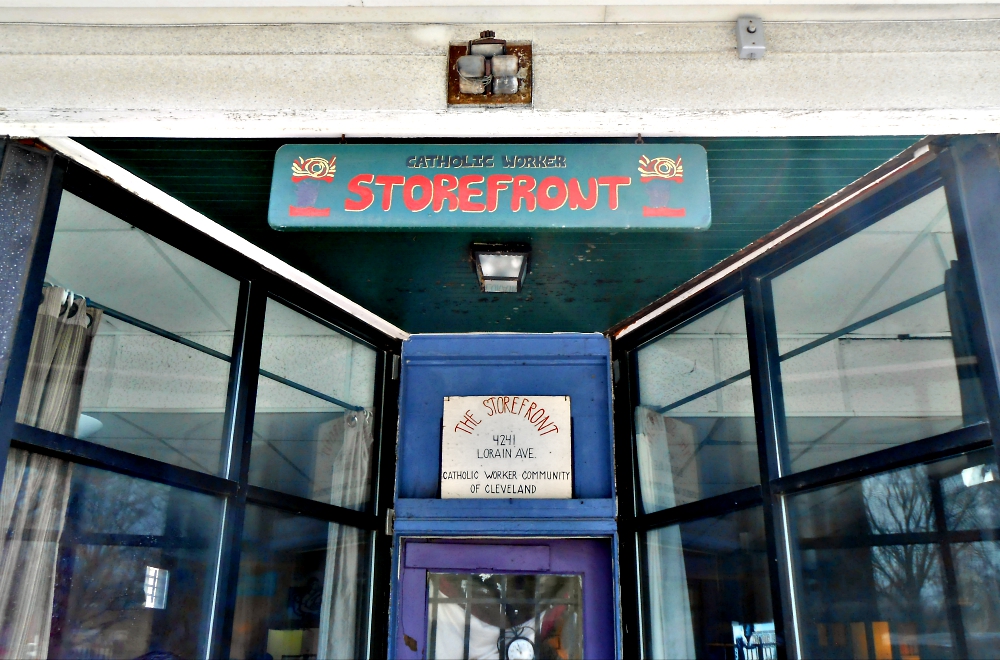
(345, 556)
(57, 361)
(33, 514)
(36, 488)
(671, 631)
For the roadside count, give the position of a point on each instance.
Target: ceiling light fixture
(501, 267)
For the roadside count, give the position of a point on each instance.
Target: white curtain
(57, 361)
(668, 461)
(671, 630)
(351, 440)
(32, 514)
(35, 487)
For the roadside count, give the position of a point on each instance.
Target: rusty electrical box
(489, 71)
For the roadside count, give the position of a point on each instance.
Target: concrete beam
(477, 12)
(376, 79)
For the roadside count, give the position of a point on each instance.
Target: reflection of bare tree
(105, 579)
(977, 564)
(907, 574)
(117, 527)
(921, 568)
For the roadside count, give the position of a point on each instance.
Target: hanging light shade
(501, 267)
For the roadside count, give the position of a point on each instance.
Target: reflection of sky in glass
(975, 507)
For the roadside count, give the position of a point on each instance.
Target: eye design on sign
(659, 174)
(661, 168)
(307, 174)
(314, 168)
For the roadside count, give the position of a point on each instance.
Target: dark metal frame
(30, 298)
(256, 286)
(968, 168)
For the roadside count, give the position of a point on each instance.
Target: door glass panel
(873, 338)
(132, 342)
(902, 564)
(313, 427)
(513, 616)
(695, 433)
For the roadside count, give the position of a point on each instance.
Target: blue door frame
(590, 558)
(436, 366)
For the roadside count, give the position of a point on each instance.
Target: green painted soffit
(579, 280)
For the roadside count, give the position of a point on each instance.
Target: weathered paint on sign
(369, 186)
(506, 446)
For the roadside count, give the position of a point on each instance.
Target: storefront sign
(506, 447)
(572, 186)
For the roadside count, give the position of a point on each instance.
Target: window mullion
(769, 416)
(303, 506)
(971, 172)
(239, 425)
(383, 480)
(624, 388)
(91, 454)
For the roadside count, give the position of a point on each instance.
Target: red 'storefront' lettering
(413, 203)
(465, 194)
(576, 198)
(553, 202)
(459, 194)
(444, 191)
(494, 184)
(388, 182)
(357, 186)
(523, 185)
(613, 183)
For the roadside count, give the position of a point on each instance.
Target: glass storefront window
(131, 343)
(709, 592)
(303, 588)
(132, 351)
(313, 426)
(695, 433)
(99, 565)
(873, 340)
(903, 564)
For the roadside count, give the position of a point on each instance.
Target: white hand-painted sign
(506, 447)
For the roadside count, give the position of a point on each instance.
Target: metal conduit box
(489, 71)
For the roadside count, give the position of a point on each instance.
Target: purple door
(506, 600)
